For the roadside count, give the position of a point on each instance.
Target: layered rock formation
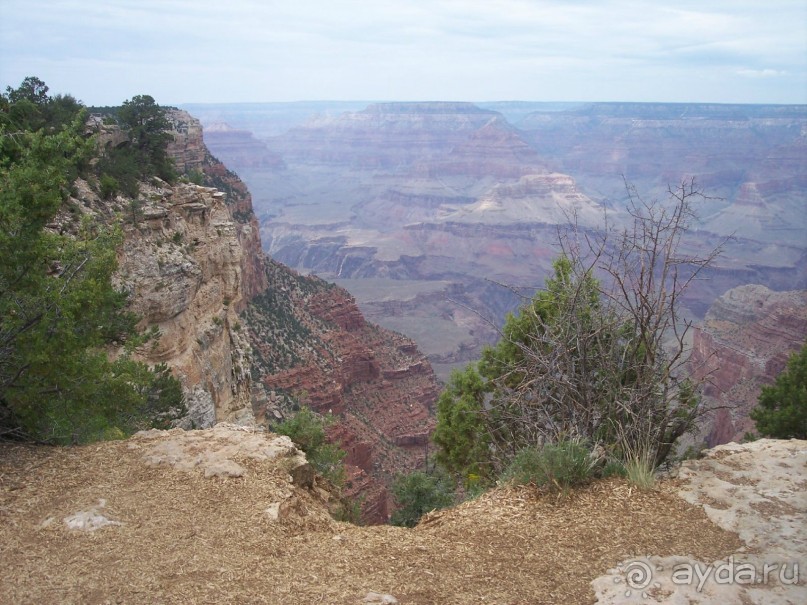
(188, 264)
(240, 148)
(191, 154)
(181, 262)
(744, 342)
(191, 260)
(312, 346)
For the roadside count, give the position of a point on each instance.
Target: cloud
(761, 73)
(204, 50)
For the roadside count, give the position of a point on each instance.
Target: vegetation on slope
(60, 314)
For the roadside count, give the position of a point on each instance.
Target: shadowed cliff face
(744, 343)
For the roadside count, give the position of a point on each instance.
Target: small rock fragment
(273, 511)
(378, 597)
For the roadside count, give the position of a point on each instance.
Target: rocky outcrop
(755, 490)
(190, 261)
(181, 263)
(744, 342)
(188, 148)
(190, 153)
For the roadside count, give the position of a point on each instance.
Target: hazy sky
(183, 51)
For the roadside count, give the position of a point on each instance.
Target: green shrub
(557, 466)
(196, 177)
(122, 166)
(347, 510)
(307, 430)
(461, 436)
(419, 493)
(109, 186)
(613, 468)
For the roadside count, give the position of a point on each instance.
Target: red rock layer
(378, 385)
(744, 342)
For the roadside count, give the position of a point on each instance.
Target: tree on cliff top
(59, 311)
(782, 409)
(149, 133)
(144, 155)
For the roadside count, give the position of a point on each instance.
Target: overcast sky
(185, 51)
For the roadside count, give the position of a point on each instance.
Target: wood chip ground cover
(184, 538)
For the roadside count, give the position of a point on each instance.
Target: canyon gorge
(441, 217)
(435, 220)
(249, 339)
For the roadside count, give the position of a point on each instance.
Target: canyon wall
(744, 343)
(181, 263)
(312, 346)
(189, 263)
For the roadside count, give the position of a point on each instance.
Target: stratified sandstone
(744, 342)
(191, 154)
(181, 264)
(312, 345)
(237, 147)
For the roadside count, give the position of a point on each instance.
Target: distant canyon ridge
(425, 212)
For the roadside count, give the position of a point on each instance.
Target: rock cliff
(181, 262)
(744, 342)
(191, 261)
(313, 346)
(311, 343)
(187, 264)
(191, 154)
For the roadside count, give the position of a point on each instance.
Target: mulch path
(187, 539)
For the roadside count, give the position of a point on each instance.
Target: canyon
(249, 339)
(743, 343)
(441, 217)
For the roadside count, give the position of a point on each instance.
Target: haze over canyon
(431, 214)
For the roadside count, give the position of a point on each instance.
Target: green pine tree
(782, 408)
